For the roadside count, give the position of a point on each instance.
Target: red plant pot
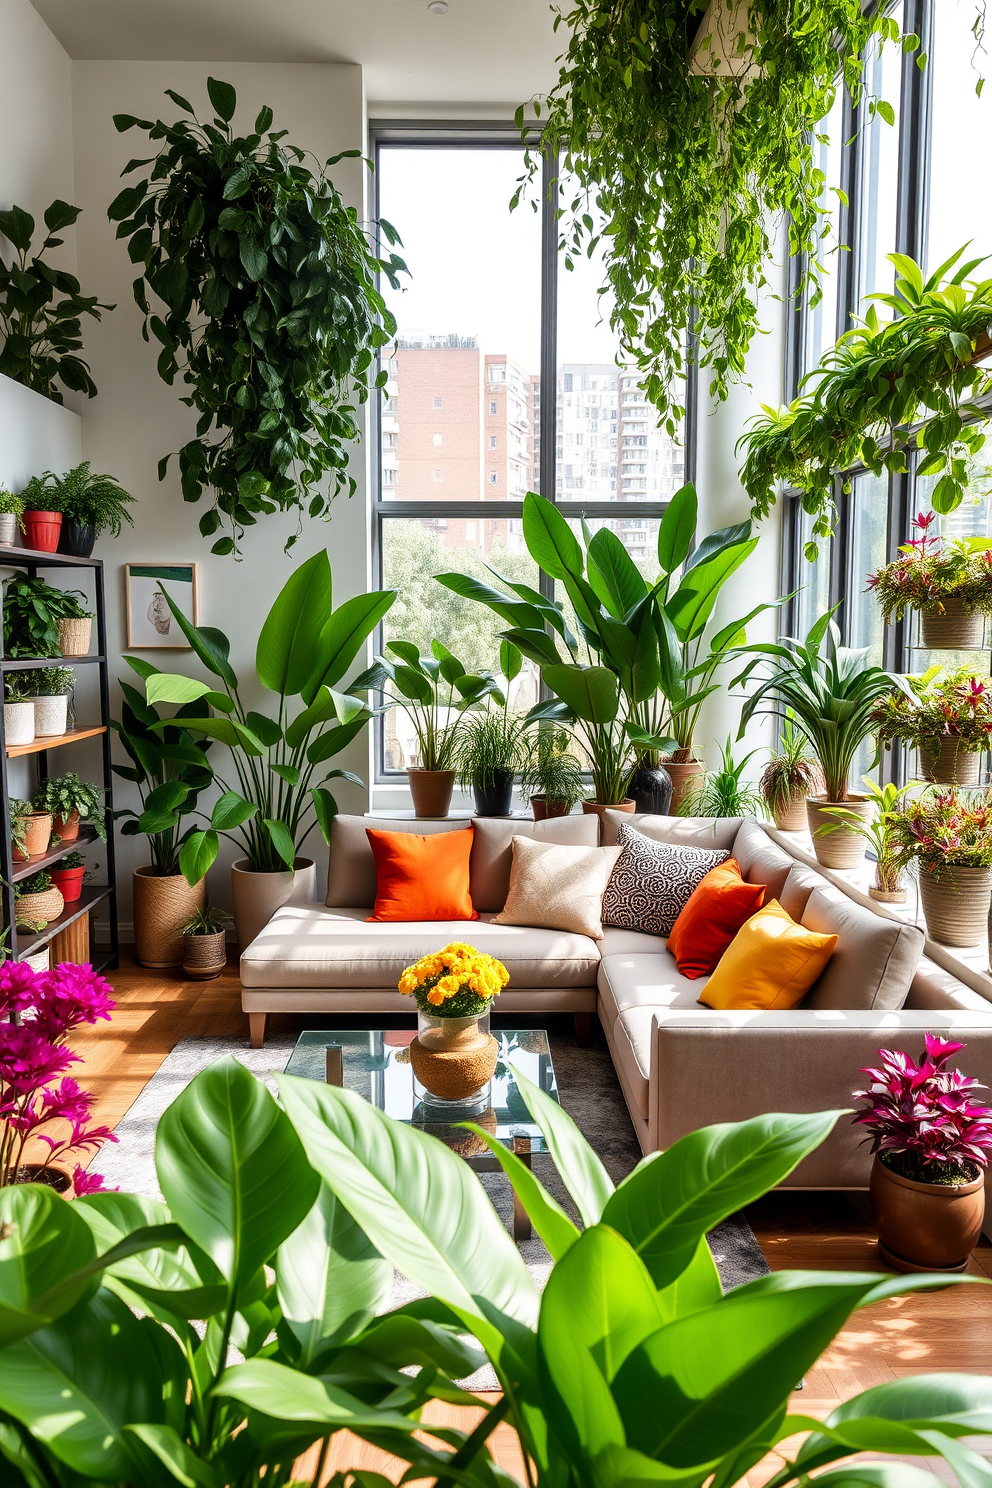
(41, 530)
(69, 882)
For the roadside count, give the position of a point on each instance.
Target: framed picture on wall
(150, 622)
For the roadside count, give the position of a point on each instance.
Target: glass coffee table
(376, 1064)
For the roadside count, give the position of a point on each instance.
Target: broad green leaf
(211, 646)
(181, 1279)
(400, 1340)
(296, 1404)
(288, 639)
(198, 855)
(227, 730)
(536, 645)
(326, 807)
(546, 1214)
(223, 97)
(696, 1287)
(550, 541)
(282, 840)
(526, 614)
(230, 810)
(232, 1169)
(169, 687)
(165, 1443)
(600, 1295)
(590, 692)
(42, 1242)
(578, 1165)
(613, 574)
(510, 660)
(332, 742)
(676, 529)
(414, 685)
(326, 704)
(342, 637)
(692, 603)
(265, 729)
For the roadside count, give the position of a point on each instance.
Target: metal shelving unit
(27, 942)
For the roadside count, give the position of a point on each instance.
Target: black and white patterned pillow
(651, 882)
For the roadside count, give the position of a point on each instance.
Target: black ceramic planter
(651, 788)
(77, 541)
(496, 799)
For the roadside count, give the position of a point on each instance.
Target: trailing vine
(272, 315)
(676, 166)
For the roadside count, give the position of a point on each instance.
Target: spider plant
(722, 792)
(791, 773)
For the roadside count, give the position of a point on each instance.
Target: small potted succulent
(551, 779)
(947, 715)
(490, 751)
(454, 1053)
(948, 834)
(948, 583)
(51, 694)
(931, 1141)
(790, 777)
(205, 943)
(73, 803)
(41, 520)
(68, 876)
(37, 902)
(18, 708)
(30, 830)
(11, 507)
(880, 831)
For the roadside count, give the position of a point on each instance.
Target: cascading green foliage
(272, 315)
(678, 169)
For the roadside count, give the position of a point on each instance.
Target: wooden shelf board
(28, 663)
(54, 741)
(43, 860)
(88, 900)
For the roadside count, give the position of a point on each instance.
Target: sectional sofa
(680, 1065)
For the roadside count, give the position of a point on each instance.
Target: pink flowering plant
(39, 1101)
(930, 570)
(945, 828)
(922, 1118)
(943, 703)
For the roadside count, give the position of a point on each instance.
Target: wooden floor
(948, 1330)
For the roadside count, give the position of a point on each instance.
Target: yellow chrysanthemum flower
(457, 968)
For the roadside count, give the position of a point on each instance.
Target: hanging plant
(886, 388)
(682, 144)
(272, 316)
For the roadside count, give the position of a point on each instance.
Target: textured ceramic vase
(18, 723)
(162, 905)
(51, 714)
(77, 539)
(453, 1061)
(791, 815)
(431, 791)
(651, 787)
(956, 904)
(8, 529)
(925, 1226)
(952, 628)
(685, 775)
(841, 847)
(948, 764)
(257, 896)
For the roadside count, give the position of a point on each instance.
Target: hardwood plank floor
(946, 1330)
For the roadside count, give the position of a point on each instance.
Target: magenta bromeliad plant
(38, 1100)
(922, 1119)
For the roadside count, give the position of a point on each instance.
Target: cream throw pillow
(558, 888)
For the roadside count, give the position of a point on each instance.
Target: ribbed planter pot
(496, 798)
(952, 628)
(925, 1226)
(841, 848)
(67, 827)
(956, 904)
(651, 787)
(685, 778)
(542, 808)
(51, 715)
(42, 530)
(74, 637)
(40, 960)
(257, 896)
(77, 539)
(431, 791)
(204, 956)
(8, 529)
(69, 882)
(600, 808)
(948, 764)
(791, 815)
(39, 909)
(18, 723)
(163, 903)
(37, 835)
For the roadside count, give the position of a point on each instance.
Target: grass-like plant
(790, 773)
(551, 770)
(206, 920)
(491, 747)
(723, 792)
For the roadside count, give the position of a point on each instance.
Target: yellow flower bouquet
(457, 982)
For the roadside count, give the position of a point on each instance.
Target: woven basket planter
(204, 955)
(949, 764)
(842, 848)
(162, 906)
(39, 909)
(74, 637)
(956, 904)
(952, 628)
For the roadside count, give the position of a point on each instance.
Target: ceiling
(482, 52)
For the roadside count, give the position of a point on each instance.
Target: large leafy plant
(434, 691)
(278, 793)
(41, 309)
(682, 146)
(271, 315)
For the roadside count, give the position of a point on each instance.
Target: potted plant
(880, 832)
(490, 751)
(51, 692)
(32, 611)
(36, 901)
(454, 1053)
(18, 709)
(551, 780)
(722, 792)
(790, 777)
(947, 715)
(90, 504)
(75, 628)
(42, 516)
(948, 583)
(931, 1140)
(948, 835)
(30, 830)
(72, 803)
(204, 943)
(68, 876)
(11, 507)
(830, 692)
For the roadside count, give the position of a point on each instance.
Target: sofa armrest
(709, 1067)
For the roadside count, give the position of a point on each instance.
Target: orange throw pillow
(714, 912)
(420, 877)
(771, 963)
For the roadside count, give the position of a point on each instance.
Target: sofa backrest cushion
(351, 866)
(762, 861)
(684, 831)
(875, 960)
(799, 884)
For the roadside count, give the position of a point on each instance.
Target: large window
(503, 379)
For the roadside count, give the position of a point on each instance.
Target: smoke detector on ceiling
(438, 7)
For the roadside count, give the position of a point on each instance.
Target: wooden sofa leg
(583, 1029)
(257, 1023)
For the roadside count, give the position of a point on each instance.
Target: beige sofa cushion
(798, 886)
(687, 831)
(875, 959)
(351, 866)
(492, 850)
(633, 991)
(558, 887)
(761, 860)
(307, 945)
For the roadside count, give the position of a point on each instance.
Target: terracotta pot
(257, 896)
(204, 956)
(453, 1058)
(67, 827)
(37, 835)
(55, 1178)
(791, 816)
(8, 529)
(543, 808)
(69, 882)
(600, 808)
(162, 905)
(651, 787)
(43, 908)
(925, 1226)
(956, 904)
(842, 848)
(685, 775)
(952, 628)
(946, 763)
(74, 637)
(41, 530)
(51, 715)
(431, 791)
(18, 723)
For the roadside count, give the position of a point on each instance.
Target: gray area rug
(589, 1092)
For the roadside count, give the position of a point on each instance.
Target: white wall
(35, 115)
(137, 418)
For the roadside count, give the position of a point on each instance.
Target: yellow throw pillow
(771, 963)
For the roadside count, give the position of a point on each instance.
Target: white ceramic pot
(257, 896)
(18, 723)
(8, 529)
(50, 715)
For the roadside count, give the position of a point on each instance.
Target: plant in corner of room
(881, 832)
(790, 776)
(65, 795)
(84, 499)
(206, 920)
(944, 707)
(41, 309)
(272, 315)
(32, 610)
(722, 792)
(552, 774)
